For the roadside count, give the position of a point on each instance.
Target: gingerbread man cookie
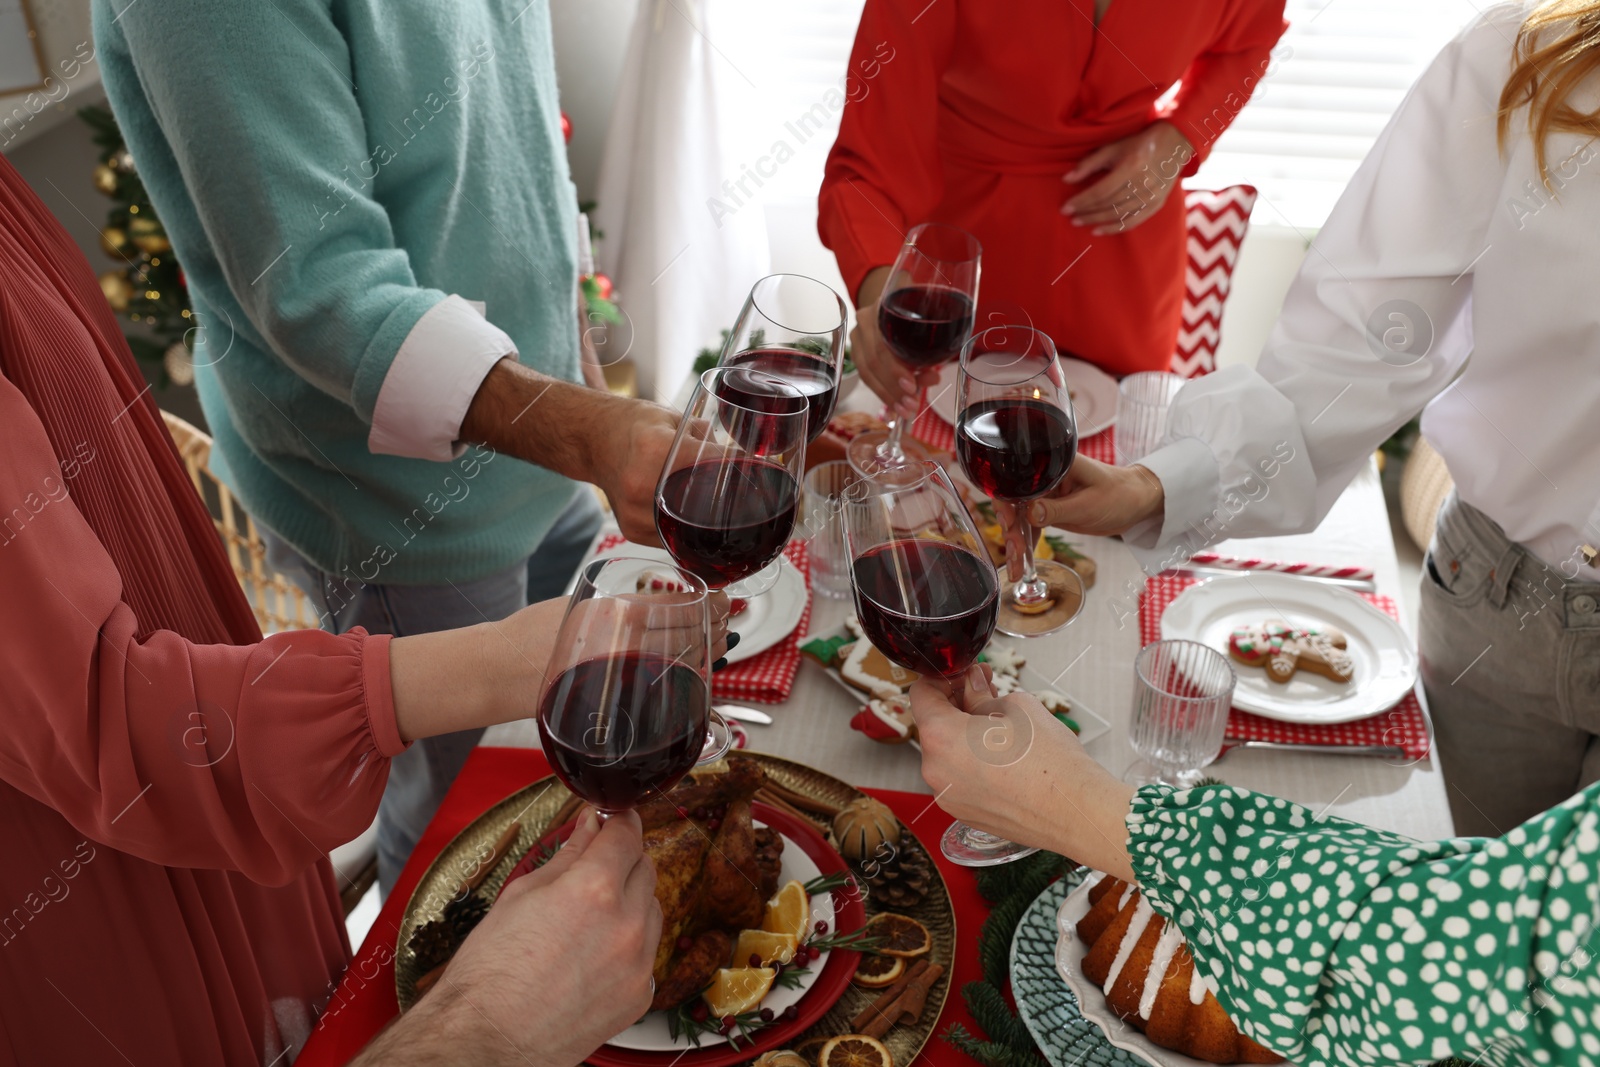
(1283, 649)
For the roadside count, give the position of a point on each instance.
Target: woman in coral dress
(1039, 127)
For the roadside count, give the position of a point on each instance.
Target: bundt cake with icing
(1150, 980)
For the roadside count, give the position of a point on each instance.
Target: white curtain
(682, 264)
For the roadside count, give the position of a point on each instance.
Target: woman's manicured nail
(733, 640)
(721, 663)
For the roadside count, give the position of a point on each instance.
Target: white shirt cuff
(1191, 484)
(432, 381)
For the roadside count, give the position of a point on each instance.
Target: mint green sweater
(328, 170)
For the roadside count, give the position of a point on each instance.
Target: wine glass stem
(1029, 588)
(891, 444)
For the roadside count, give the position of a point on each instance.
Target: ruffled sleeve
(255, 758)
(1336, 943)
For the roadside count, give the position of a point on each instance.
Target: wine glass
(726, 501)
(925, 315)
(626, 706)
(793, 328)
(1016, 437)
(926, 596)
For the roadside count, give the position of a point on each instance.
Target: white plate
(1070, 951)
(768, 619)
(1091, 726)
(1385, 658)
(650, 1034)
(1094, 395)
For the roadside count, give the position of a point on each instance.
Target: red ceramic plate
(830, 985)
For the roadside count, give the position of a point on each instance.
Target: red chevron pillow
(1218, 219)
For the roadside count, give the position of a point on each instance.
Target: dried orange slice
(899, 935)
(811, 1047)
(737, 990)
(876, 972)
(855, 1050)
(789, 912)
(764, 947)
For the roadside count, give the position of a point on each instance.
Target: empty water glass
(825, 485)
(1142, 402)
(1182, 691)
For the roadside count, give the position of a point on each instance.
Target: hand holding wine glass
(1016, 438)
(626, 706)
(925, 314)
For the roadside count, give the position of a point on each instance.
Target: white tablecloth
(1096, 655)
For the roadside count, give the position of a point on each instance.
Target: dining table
(1091, 663)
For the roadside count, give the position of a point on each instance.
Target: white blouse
(1447, 278)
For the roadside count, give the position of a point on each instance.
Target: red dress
(170, 783)
(970, 112)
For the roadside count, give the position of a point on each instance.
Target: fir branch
(990, 1011)
(989, 1053)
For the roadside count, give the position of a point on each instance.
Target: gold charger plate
(536, 805)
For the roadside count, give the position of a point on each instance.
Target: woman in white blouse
(1459, 276)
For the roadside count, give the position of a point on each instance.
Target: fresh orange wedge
(737, 990)
(764, 947)
(789, 912)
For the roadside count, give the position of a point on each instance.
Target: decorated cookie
(1283, 649)
(853, 624)
(868, 669)
(888, 721)
(1005, 684)
(1005, 660)
(1053, 702)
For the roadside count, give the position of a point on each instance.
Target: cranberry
(713, 825)
(685, 943)
(728, 1023)
(700, 1011)
(766, 1015)
(755, 959)
(822, 926)
(791, 1013)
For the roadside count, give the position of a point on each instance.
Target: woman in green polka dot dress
(1329, 942)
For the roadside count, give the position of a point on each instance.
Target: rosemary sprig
(855, 941)
(827, 883)
(681, 1022)
(791, 977)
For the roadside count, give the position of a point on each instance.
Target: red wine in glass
(726, 519)
(623, 729)
(926, 325)
(813, 375)
(927, 605)
(1015, 449)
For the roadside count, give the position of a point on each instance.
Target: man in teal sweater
(372, 206)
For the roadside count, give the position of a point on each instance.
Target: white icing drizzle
(1128, 890)
(1160, 959)
(1197, 986)
(1142, 914)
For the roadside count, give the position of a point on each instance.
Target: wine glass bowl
(625, 710)
(729, 491)
(794, 328)
(1016, 438)
(925, 314)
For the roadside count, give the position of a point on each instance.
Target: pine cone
(432, 943)
(464, 914)
(901, 881)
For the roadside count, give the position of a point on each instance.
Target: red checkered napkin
(1402, 725)
(940, 436)
(768, 677)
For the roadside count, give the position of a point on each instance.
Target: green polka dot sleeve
(1336, 943)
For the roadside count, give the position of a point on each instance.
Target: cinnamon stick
(566, 813)
(887, 998)
(498, 853)
(801, 801)
(909, 1008)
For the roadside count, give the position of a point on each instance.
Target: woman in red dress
(1039, 126)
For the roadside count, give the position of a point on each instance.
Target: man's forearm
(520, 412)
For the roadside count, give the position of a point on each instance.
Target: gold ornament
(149, 236)
(123, 161)
(114, 284)
(114, 240)
(105, 180)
(179, 364)
(862, 827)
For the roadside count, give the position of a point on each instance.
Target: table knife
(1229, 744)
(743, 714)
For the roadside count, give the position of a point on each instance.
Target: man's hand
(1100, 499)
(559, 965)
(593, 436)
(895, 383)
(1139, 173)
